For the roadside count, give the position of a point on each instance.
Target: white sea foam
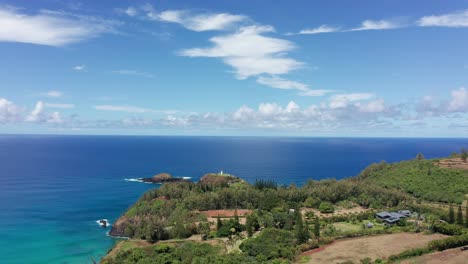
(187, 178)
(99, 223)
(120, 237)
(134, 180)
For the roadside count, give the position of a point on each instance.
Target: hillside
(423, 179)
(223, 219)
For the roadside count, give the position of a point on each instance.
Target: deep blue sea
(54, 188)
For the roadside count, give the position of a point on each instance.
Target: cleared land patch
(374, 247)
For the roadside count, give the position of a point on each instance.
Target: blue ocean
(54, 188)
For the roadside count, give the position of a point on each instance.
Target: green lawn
(349, 227)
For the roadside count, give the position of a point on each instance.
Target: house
(391, 218)
(406, 213)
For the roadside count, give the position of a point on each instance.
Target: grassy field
(374, 247)
(350, 227)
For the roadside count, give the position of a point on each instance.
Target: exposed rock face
(118, 228)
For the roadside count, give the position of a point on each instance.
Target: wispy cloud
(123, 108)
(457, 19)
(377, 25)
(64, 106)
(249, 52)
(79, 68)
(134, 73)
(281, 83)
(53, 94)
(195, 22)
(319, 30)
(49, 27)
(131, 11)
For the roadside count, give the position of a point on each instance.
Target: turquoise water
(54, 188)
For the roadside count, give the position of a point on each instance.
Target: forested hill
(423, 179)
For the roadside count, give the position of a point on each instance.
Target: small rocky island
(162, 178)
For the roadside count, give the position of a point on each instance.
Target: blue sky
(283, 68)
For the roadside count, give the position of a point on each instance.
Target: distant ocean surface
(54, 188)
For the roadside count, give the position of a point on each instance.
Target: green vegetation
(326, 208)
(415, 252)
(186, 252)
(420, 178)
(278, 226)
(450, 242)
(271, 244)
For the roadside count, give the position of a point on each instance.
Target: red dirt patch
(226, 213)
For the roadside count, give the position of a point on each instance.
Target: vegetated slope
(420, 178)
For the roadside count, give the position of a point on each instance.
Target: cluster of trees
(450, 242)
(420, 178)
(171, 210)
(459, 217)
(180, 253)
(447, 229)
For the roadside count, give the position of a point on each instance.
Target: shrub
(270, 244)
(326, 208)
(447, 229)
(311, 202)
(410, 253)
(451, 242)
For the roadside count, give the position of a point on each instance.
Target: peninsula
(401, 211)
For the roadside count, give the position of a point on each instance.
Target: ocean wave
(120, 237)
(187, 178)
(99, 223)
(134, 180)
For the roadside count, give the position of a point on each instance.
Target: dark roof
(405, 212)
(399, 214)
(383, 214)
(392, 220)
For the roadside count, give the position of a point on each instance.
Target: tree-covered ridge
(420, 178)
(173, 210)
(281, 221)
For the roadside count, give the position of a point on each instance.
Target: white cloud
(459, 101)
(198, 22)
(55, 118)
(9, 112)
(63, 106)
(280, 83)
(375, 106)
(343, 100)
(376, 25)
(122, 108)
(38, 115)
(131, 11)
(319, 30)
(316, 92)
(133, 72)
(53, 94)
(49, 27)
(249, 52)
(458, 19)
(79, 68)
